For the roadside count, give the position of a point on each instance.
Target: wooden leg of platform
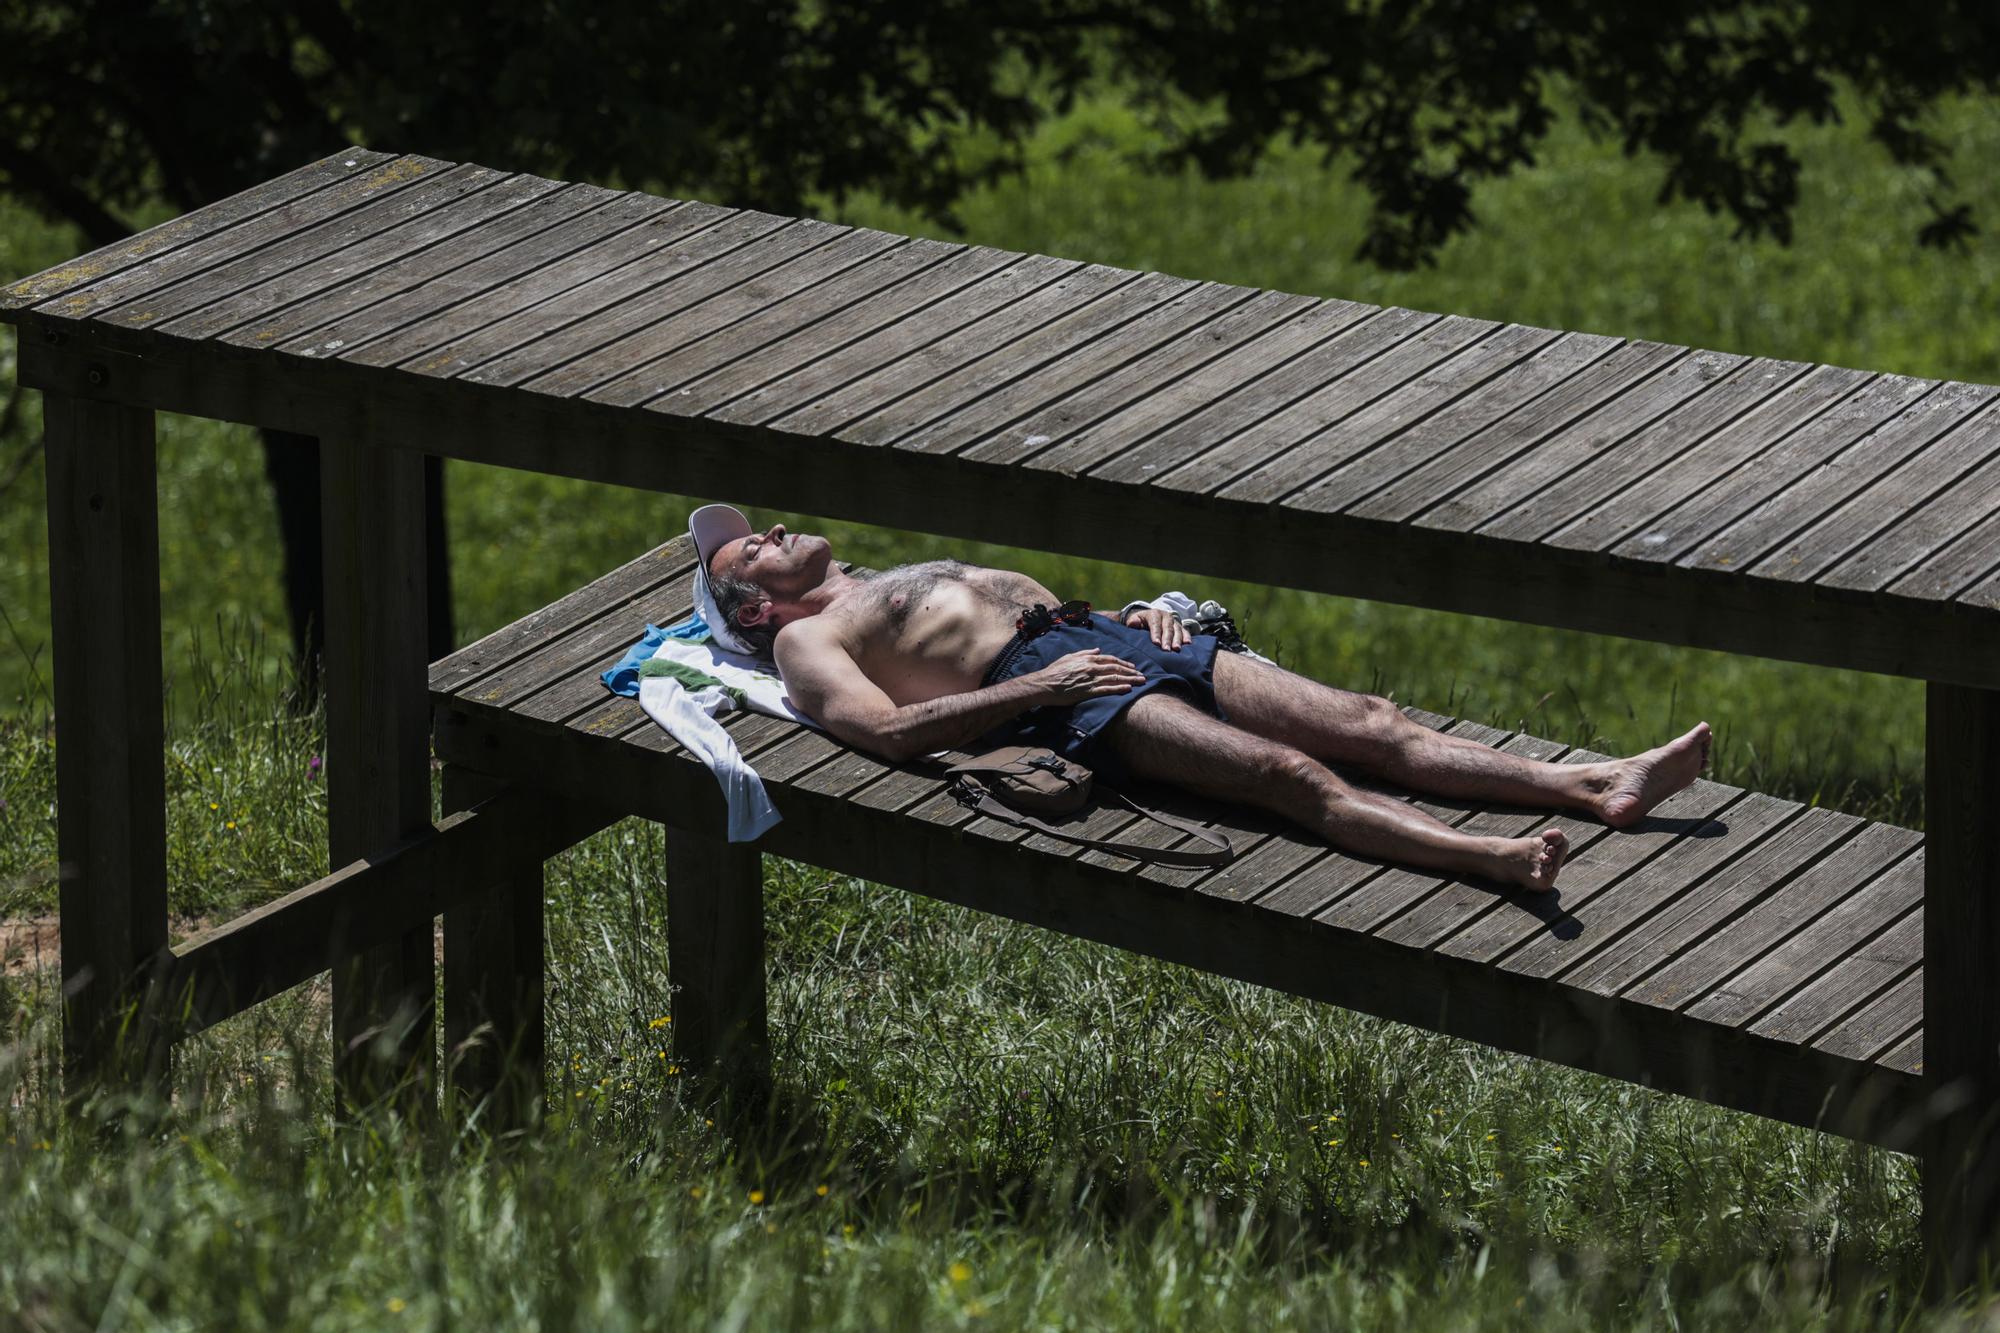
(111, 838)
(1961, 1153)
(493, 984)
(378, 756)
(715, 953)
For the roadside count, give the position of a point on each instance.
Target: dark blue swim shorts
(1076, 731)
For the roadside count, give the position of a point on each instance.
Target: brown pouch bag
(1015, 783)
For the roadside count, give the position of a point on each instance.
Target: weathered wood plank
(451, 225)
(831, 413)
(1521, 479)
(1266, 357)
(1605, 891)
(1242, 428)
(789, 358)
(111, 837)
(1958, 565)
(1187, 352)
(1309, 452)
(1739, 470)
(890, 342)
(431, 344)
(1894, 494)
(188, 228)
(274, 229)
(668, 274)
(1922, 528)
(1747, 523)
(524, 206)
(1751, 399)
(1688, 910)
(364, 237)
(1856, 984)
(1369, 469)
(1022, 395)
(1061, 338)
(541, 234)
(560, 676)
(767, 334)
(1570, 401)
(594, 341)
(1784, 939)
(1871, 1031)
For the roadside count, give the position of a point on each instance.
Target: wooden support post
(378, 756)
(493, 1035)
(111, 837)
(1961, 1153)
(715, 953)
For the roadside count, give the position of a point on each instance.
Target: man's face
(786, 565)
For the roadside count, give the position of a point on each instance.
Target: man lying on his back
(946, 655)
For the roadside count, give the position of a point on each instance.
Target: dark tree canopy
(770, 102)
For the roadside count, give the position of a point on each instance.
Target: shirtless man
(944, 655)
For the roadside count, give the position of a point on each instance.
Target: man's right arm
(827, 685)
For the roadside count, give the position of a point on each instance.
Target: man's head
(751, 584)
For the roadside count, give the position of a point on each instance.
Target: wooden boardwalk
(1746, 949)
(1790, 510)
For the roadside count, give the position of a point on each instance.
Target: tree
(770, 103)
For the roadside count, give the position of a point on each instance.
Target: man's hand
(1085, 675)
(1165, 627)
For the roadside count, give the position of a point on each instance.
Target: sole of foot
(1644, 780)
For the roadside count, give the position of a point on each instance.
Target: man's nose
(776, 534)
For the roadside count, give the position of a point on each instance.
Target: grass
(1012, 1127)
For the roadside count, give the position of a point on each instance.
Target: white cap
(713, 527)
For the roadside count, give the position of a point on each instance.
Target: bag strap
(983, 801)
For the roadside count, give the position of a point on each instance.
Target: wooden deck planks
(789, 358)
(921, 366)
(1660, 520)
(447, 216)
(1024, 393)
(1690, 910)
(966, 388)
(650, 322)
(514, 209)
(1512, 498)
(1263, 359)
(1850, 987)
(1186, 354)
(1272, 409)
(185, 230)
(154, 303)
(459, 334)
(887, 344)
(1710, 979)
(673, 275)
(542, 233)
(1879, 1025)
(1354, 432)
(1363, 471)
(1518, 431)
(1933, 470)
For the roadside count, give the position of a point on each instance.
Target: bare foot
(1532, 863)
(1629, 788)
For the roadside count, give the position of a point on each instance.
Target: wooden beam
(378, 754)
(104, 583)
(369, 902)
(1961, 1151)
(715, 959)
(493, 963)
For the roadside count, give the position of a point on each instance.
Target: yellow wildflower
(756, 1196)
(395, 1305)
(821, 1191)
(961, 1272)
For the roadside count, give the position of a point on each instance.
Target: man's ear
(752, 614)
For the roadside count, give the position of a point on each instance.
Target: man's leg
(1371, 734)
(1164, 738)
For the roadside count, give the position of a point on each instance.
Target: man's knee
(1383, 733)
(1283, 771)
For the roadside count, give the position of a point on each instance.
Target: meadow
(978, 1123)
